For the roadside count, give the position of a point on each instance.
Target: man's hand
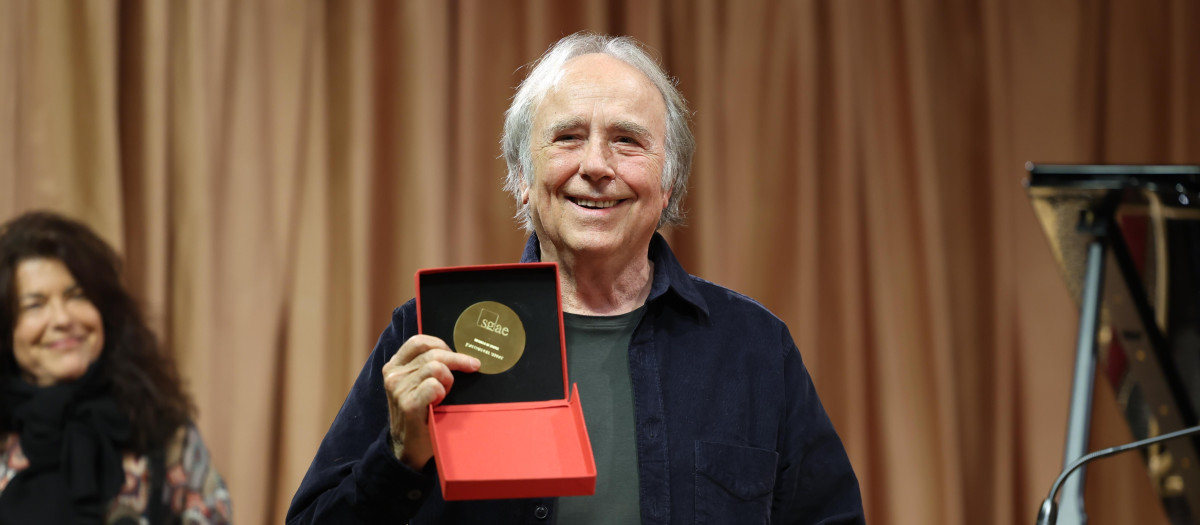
(417, 376)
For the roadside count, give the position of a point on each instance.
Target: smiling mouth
(593, 205)
(66, 342)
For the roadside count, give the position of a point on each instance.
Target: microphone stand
(1048, 513)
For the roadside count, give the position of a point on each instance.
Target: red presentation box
(517, 433)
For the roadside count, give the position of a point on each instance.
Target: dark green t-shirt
(598, 361)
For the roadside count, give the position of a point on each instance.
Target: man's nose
(596, 162)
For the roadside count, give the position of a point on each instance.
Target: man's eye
(563, 138)
(627, 140)
(25, 307)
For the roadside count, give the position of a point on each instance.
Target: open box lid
(483, 310)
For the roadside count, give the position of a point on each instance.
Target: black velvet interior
(531, 292)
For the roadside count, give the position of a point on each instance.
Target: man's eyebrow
(563, 125)
(628, 127)
(632, 128)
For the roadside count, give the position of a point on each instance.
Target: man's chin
(596, 244)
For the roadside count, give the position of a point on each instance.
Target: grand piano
(1127, 241)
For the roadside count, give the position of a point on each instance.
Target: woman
(94, 425)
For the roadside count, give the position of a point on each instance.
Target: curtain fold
(274, 173)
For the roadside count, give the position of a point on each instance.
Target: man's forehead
(598, 67)
(598, 77)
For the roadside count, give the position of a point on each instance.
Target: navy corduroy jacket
(729, 426)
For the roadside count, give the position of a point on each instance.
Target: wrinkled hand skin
(419, 375)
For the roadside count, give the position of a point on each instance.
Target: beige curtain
(274, 173)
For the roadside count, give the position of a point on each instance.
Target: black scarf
(72, 434)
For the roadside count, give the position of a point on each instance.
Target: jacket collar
(669, 275)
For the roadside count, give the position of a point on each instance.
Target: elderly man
(697, 403)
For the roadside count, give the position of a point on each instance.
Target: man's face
(598, 152)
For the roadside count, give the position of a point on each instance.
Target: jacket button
(541, 512)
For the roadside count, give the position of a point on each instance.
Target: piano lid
(1150, 314)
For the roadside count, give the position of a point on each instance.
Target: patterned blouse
(192, 491)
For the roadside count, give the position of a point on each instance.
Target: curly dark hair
(145, 381)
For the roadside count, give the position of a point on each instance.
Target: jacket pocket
(733, 483)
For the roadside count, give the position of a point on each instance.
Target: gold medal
(491, 332)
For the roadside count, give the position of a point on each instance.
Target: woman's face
(58, 331)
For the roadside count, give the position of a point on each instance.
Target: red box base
(513, 450)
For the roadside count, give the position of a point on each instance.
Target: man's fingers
(416, 346)
(425, 377)
(419, 375)
(434, 363)
(427, 392)
(422, 348)
(462, 362)
(452, 359)
(430, 385)
(439, 371)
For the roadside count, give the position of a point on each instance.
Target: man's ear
(524, 191)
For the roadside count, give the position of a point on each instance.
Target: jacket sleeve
(354, 477)
(815, 483)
